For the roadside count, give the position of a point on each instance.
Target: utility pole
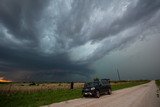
(118, 74)
(117, 71)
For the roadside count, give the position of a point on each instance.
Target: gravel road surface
(138, 96)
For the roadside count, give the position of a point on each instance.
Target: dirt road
(138, 96)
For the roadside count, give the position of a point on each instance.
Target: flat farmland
(38, 94)
(34, 87)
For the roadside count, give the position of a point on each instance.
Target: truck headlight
(93, 88)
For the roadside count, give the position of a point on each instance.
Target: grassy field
(158, 83)
(35, 87)
(122, 85)
(38, 98)
(46, 96)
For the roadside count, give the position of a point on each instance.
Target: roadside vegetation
(158, 83)
(38, 98)
(127, 84)
(43, 94)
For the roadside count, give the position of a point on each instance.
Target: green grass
(127, 85)
(49, 96)
(158, 83)
(38, 98)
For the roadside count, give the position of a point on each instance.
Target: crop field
(34, 95)
(35, 87)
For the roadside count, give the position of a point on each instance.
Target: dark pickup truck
(97, 87)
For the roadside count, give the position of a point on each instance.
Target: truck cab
(96, 88)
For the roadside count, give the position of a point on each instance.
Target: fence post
(72, 84)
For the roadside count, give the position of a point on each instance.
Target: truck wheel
(97, 94)
(109, 91)
(106, 93)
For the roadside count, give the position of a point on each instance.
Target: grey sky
(68, 40)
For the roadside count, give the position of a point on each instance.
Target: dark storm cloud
(143, 11)
(55, 40)
(38, 65)
(15, 13)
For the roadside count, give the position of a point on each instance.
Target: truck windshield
(91, 84)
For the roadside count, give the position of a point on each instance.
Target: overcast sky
(77, 40)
